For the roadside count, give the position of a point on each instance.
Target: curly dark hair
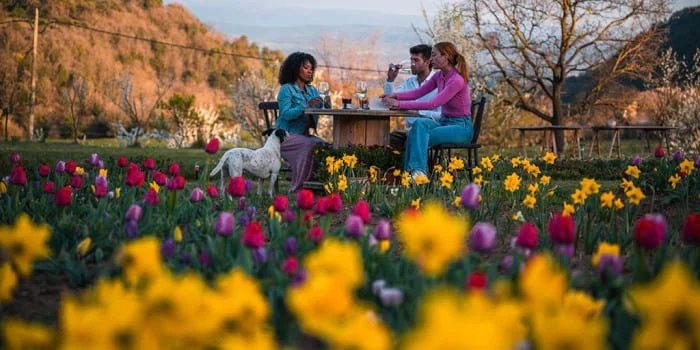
(289, 71)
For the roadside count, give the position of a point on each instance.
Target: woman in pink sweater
(455, 125)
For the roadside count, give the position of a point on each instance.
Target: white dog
(263, 162)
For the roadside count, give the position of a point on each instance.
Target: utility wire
(51, 21)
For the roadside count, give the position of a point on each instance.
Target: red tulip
(134, 176)
(122, 162)
(64, 196)
(70, 167)
(49, 187)
(176, 183)
(305, 199)
(253, 236)
(76, 182)
(213, 146)
(316, 234)
(18, 176)
(659, 152)
(362, 210)
(151, 197)
(691, 229)
(101, 189)
(212, 191)
(174, 169)
(290, 266)
(44, 170)
(15, 157)
(527, 236)
(149, 164)
(650, 231)
(236, 186)
(562, 229)
(321, 206)
(335, 203)
(308, 217)
(476, 281)
(280, 203)
(160, 178)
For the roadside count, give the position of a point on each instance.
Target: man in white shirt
(421, 70)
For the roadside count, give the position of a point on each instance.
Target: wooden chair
(436, 153)
(271, 111)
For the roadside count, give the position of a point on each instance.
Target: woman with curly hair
(295, 95)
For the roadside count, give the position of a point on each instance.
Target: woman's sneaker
(416, 174)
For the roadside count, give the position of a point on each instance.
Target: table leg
(593, 142)
(619, 144)
(665, 136)
(578, 145)
(554, 142)
(612, 144)
(646, 137)
(522, 143)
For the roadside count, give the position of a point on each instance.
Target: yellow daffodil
(330, 165)
(405, 179)
(687, 166)
(544, 180)
(3, 187)
(140, 259)
(373, 173)
(384, 245)
(606, 199)
(457, 202)
(566, 328)
(529, 201)
(103, 173)
(479, 180)
(455, 164)
(24, 243)
(512, 182)
(476, 170)
(350, 160)
(23, 335)
(432, 238)
(549, 158)
(177, 234)
(518, 216)
(626, 185)
(635, 195)
(515, 162)
(486, 163)
(396, 172)
(342, 183)
(8, 282)
(619, 204)
(674, 180)
(446, 180)
(632, 171)
(422, 180)
(669, 309)
(495, 157)
(568, 209)
(579, 196)
(415, 203)
(437, 168)
(79, 171)
(533, 188)
(328, 187)
(533, 170)
(154, 186)
(84, 246)
(589, 186)
(605, 248)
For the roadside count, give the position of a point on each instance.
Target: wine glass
(361, 91)
(323, 90)
(405, 66)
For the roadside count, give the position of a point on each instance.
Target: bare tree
(251, 89)
(13, 90)
(74, 96)
(135, 105)
(535, 45)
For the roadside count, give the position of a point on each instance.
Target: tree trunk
(557, 117)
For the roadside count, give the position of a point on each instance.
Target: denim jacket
(292, 102)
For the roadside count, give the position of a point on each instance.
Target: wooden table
(646, 129)
(360, 126)
(551, 129)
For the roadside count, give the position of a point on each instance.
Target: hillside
(67, 51)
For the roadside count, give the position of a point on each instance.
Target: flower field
(500, 257)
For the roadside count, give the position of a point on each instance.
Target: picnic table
(616, 129)
(551, 130)
(360, 126)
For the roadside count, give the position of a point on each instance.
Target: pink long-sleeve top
(453, 95)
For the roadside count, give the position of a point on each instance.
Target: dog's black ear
(281, 133)
(268, 132)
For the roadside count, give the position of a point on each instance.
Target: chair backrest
(478, 109)
(271, 110)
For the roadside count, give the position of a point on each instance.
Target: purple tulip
(224, 224)
(132, 228)
(678, 156)
(133, 213)
(391, 296)
(697, 162)
(197, 195)
(60, 167)
(260, 255)
(248, 185)
(204, 259)
(241, 203)
(291, 246)
(244, 221)
(470, 196)
(382, 231)
(507, 262)
(167, 249)
(93, 159)
(250, 211)
(300, 277)
(101, 181)
(288, 216)
(566, 250)
(636, 161)
(377, 286)
(15, 157)
(610, 265)
(100, 164)
(483, 237)
(354, 227)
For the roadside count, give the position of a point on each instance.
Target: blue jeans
(427, 132)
